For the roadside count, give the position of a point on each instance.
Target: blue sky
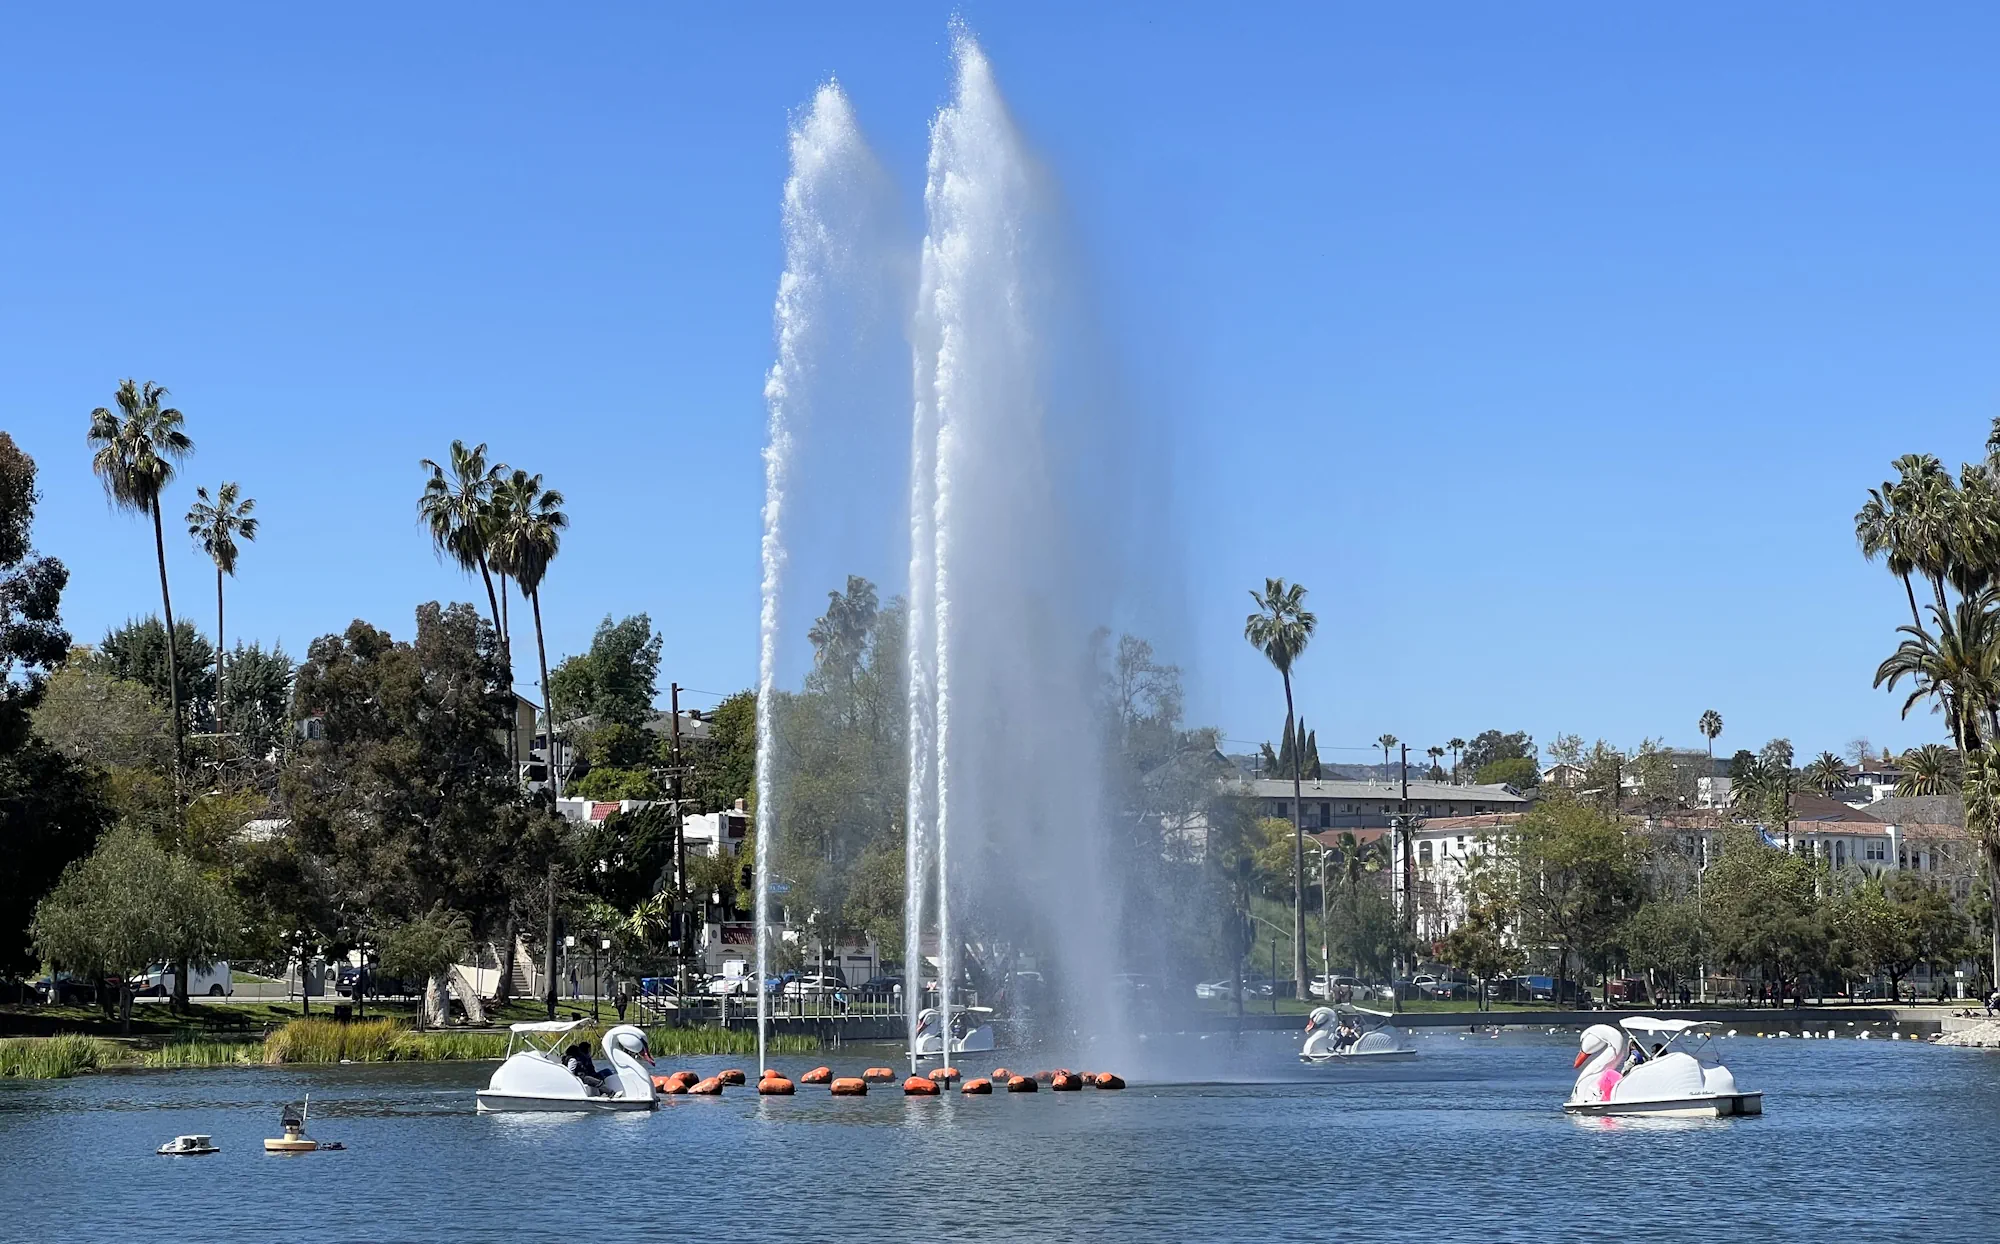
(1552, 348)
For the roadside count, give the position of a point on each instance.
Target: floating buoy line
(774, 1083)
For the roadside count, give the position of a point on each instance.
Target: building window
(1423, 853)
(1875, 849)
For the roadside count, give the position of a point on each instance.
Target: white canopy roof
(1646, 1023)
(548, 1025)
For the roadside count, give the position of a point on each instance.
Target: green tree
(1764, 910)
(724, 765)
(1982, 820)
(402, 794)
(129, 905)
(1387, 743)
(616, 680)
(1518, 772)
(135, 454)
(260, 699)
(425, 948)
(1456, 745)
(1578, 880)
(1664, 938)
(175, 673)
(52, 805)
(95, 717)
(216, 525)
(608, 783)
(1491, 745)
(1280, 629)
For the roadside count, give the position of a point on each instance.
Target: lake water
(1862, 1140)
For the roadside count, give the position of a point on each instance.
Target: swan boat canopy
(971, 1031)
(1619, 1074)
(534, 1076)
(1351, 1033)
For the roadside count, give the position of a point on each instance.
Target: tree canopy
(617, 679)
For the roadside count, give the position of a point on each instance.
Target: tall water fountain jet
(1001, 715)
(831, 201)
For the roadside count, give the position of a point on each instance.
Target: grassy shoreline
(308, 1042)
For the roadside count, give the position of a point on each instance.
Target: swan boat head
(1321, 1017)
(631, 1058)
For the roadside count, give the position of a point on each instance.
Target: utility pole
(1409, 863)
(681, 905)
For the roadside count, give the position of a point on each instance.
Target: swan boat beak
(1582, 1056)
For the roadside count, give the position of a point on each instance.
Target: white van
(158, 981)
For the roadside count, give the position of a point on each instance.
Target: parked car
(731, 986)
(814, 985)
(158, 981)
(65, 990)
(1549, 989)
(882, 985)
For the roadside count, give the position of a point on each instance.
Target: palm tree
(1883, 530)
(1827, 773)
(1711, 729)
(1386, 742)
(527, 534)
(1932, 769)
(1959, 667)
(457, 508)
(1767, 786)
(1982, 818)
(1457, 746)
(137, 449)
(1281, 628)
(216, 527)
(1436, 754)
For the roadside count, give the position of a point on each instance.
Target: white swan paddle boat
(971, 1031)
(534, 1078)
(1669, 1079)
(1347, 1033)
(195, 1145)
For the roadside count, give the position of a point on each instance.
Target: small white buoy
(1730, 1033)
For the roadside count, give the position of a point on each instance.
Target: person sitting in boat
(1345, 1035)
(576, 1060)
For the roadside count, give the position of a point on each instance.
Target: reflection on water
(1230, 1139)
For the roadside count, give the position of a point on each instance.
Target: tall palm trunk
(173, 656)
(1911, 592)
(548, 700)
(1298, 855)
(555, 780)
(219, 730)
(180, 999)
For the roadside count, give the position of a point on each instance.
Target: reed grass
(203, 1054)
(54, 1058)
(685, 1042)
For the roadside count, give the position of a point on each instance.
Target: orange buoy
(850, 1086)
(733, 1076)
(1045, 1076)
(668, 1086)
(879, 1075)
(920, 1086)
(976, 1086)
(1001, 1075)
(711, 1087)
(1021, 1084)
(1064, 1082)
(818, 1075)
(1105, 1080)
(772, 1073)
(944, 1075)
(774, 1086)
